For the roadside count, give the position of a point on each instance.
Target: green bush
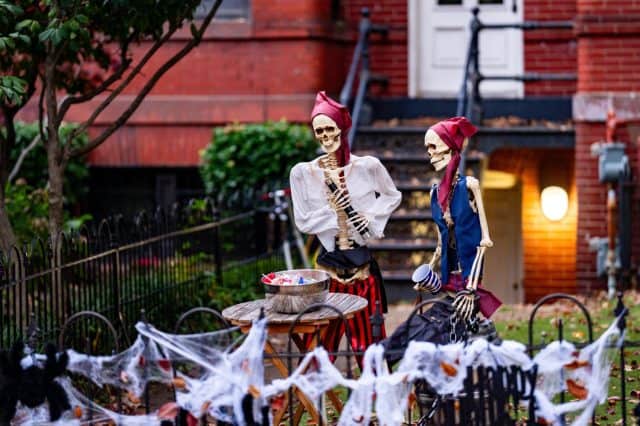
(28, 210)
(243, 159)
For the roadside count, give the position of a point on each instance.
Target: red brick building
(267, 58)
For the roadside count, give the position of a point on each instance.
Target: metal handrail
(472, 75)
(471, 105)
(359, 68)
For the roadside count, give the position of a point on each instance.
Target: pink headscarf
(453, 132)
(340, 114)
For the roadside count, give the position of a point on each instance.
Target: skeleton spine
(330, 162)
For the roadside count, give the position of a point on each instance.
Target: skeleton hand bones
(465, 301)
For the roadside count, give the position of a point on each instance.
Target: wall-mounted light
(554, 201)
(554, 182)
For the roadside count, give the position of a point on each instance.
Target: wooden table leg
(284, 371)
(318, 338)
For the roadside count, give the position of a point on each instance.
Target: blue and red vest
(459, 253)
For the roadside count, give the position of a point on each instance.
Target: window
(449, 2)
(490, 2)
(230, 10)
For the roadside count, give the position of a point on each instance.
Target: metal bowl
(292, 299)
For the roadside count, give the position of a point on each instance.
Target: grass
(512, 323)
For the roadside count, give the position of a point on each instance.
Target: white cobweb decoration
(227, 378)
(226, 375)
(222, 377)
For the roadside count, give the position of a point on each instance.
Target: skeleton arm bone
(474, 186)
(437, 253)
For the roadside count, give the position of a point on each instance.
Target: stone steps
(410, 236)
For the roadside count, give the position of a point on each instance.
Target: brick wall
(549, 248)
(388, 56)
(608, 34)
(267, 68)
(550, 51)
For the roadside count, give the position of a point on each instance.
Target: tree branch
(197, 37)
(134, 72)
(23, 155)
(41, 111)
(71, 100)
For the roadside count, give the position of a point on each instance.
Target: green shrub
(243, 159)
(28, 210)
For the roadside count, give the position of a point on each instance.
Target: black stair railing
(469, 98)
(359, 69)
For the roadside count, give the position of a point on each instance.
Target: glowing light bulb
(555, 203)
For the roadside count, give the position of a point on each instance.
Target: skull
(327, 133)
(439, 152)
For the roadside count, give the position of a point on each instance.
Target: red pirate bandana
(453, 132)
(340, 114)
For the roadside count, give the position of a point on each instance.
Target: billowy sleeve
(388, 200)
(309, 220)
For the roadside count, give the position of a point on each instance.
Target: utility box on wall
(613, 163)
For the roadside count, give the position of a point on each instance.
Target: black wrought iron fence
(163, 262)
(490, 396)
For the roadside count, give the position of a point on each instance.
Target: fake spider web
(226, 374)
(218, 376)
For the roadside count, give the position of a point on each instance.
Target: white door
(503, 267)
(438, 42)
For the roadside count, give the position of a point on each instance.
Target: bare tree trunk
(7, 236)
(55, 159)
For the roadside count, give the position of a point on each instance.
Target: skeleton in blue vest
(463, 232)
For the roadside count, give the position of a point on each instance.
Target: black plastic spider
(32, 385)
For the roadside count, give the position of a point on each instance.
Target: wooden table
(316, 323)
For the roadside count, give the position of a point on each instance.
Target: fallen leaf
(577, 389)
(77, 412)
(133, 398)
(448, 369)
(575, 364)
(179, 383)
